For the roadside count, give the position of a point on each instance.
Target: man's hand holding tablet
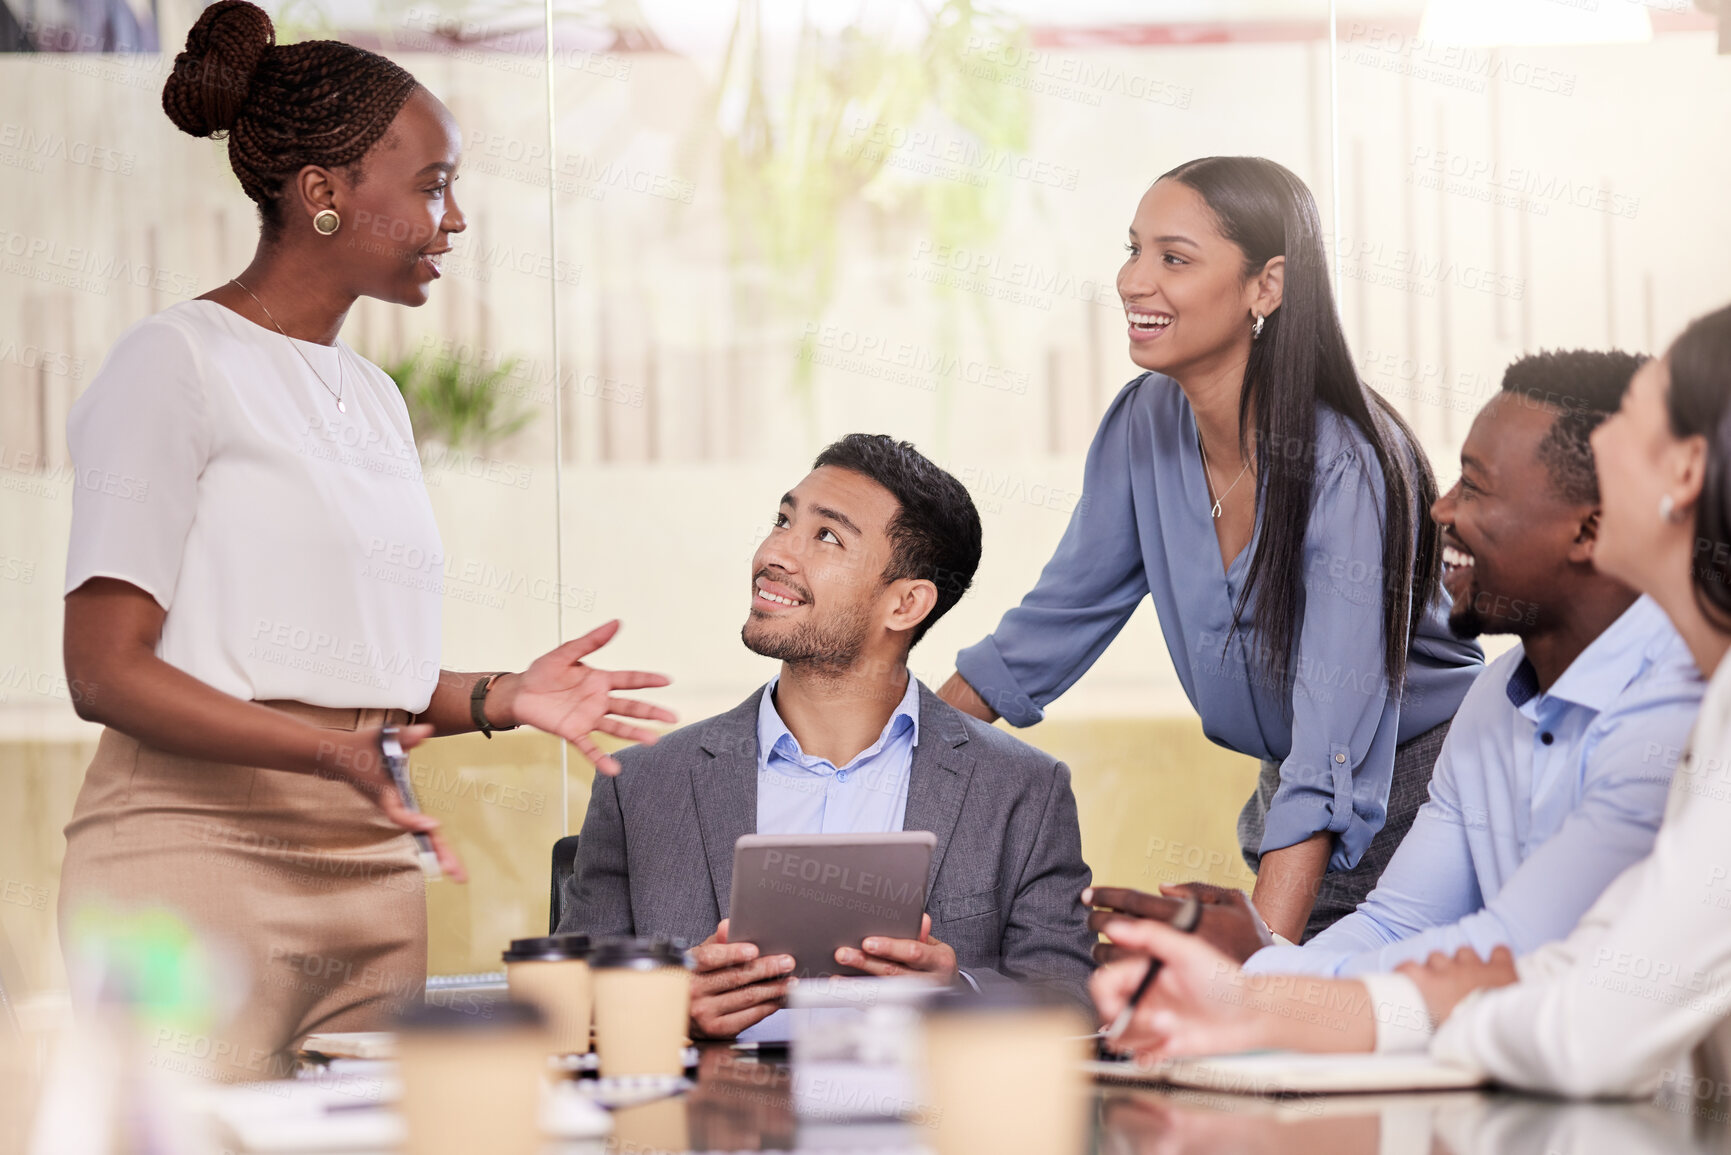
(838, 903)
(733, 988)
(902, 956)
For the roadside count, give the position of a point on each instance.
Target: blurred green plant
(792, 168)
(455, 403)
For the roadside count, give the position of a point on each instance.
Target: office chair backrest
(564, 862)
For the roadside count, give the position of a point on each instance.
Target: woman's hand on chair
(1230, 923)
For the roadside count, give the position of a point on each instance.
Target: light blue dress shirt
(1143, 528)
(800, 793)
(1537, 802)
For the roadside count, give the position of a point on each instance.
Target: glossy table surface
(744, 1104)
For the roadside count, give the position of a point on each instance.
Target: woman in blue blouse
(1278, 511)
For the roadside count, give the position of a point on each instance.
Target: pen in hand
(1188, 918)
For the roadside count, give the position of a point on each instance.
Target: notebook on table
(351, 1045)
(1294, 1073)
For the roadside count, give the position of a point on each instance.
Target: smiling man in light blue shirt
(1538, 801)
(1553, 778)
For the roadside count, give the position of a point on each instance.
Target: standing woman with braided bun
(221, 616)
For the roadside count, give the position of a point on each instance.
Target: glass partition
(704, 240)
(1522, 176)
(904, 219)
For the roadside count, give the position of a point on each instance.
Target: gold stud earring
(326, 222)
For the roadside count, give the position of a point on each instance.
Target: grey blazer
(656, 852)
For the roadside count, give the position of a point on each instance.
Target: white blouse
(292, 546)
(1637, 998)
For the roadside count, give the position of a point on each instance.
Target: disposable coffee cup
(1009, 1045)
(642, 1005)
(472, 1079)
(552, 972)
(659, 1127)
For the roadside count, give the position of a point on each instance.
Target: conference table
(743, 1103)
(743, 1100)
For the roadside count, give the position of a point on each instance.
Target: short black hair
(936, 534)
(1585, 387)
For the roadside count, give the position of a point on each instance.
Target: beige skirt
(300, 879)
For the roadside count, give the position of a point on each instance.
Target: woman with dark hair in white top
(226, 620)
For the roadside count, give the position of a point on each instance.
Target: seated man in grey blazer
(865, 554)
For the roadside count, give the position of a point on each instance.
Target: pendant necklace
(1208, 480)
(338, 391)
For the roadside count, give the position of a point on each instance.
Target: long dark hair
(1697, 405)
(1300, 360)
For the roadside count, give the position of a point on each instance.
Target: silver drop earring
(1256, 329)
(1667, 507)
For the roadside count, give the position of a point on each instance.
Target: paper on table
(352, 1045)
(308, 1115)
(1295, 1073)
(352, 1114)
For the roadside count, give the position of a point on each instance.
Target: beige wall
(1157, 804)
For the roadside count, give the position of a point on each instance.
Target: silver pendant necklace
(338, 391)
(1208, 479)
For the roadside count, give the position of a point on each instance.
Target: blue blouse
(1143, 528)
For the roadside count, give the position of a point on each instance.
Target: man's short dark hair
(936, 533)
(1585, 387)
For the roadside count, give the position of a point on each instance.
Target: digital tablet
(807, 894)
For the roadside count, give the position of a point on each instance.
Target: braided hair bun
(282, 107)
(211, 78)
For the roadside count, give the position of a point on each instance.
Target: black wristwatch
(478, 707)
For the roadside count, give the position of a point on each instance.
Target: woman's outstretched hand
(561, 694)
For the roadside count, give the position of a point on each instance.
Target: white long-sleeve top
(1636, 998)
